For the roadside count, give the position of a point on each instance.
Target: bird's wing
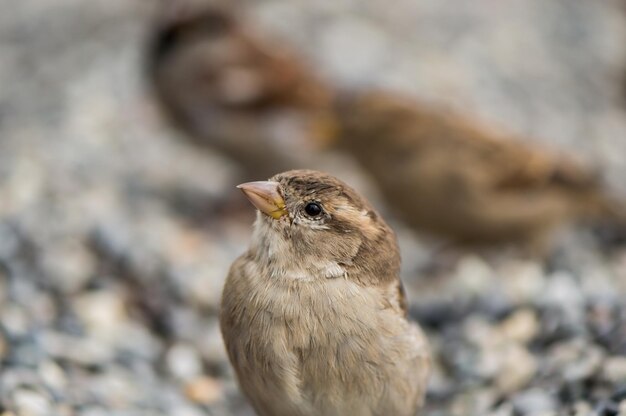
(402, 299)
(395, 297)
(405, 130)
(510, 163)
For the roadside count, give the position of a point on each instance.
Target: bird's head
(308, 219)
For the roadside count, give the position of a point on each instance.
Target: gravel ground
(115, 236)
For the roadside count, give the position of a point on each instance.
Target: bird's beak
(264, 195)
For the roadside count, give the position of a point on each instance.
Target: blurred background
(119, 218)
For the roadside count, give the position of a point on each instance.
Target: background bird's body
(453, 178)
(236, 92)
(314, 320)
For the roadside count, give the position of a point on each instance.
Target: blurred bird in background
(471, 184)
(232, 90)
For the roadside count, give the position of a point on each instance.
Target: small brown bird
(313, 315)
(451, 177)
(233, 90)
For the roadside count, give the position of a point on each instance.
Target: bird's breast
(318, 337)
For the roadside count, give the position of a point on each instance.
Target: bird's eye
(313, 209)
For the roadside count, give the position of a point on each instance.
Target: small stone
(82, 351)
(70, 265)
(563, 293)
(183, 362)
(522, 326)
(64, 409)
(14, 320)
(481, 332)
(582, 409)
(473, 402)
(204, 390)
(505, 409)
(3, 347)
(614, 369)
(524, 282)
(136, 339)
(534, 402)
(42, 308)
(587, 364)
(211, 345)
(186, 410)
(518, 366)
(440, 384)
(31, 403)
(474, 275)
(52, 375)
(202, 288)
(116, 387)
(4, 278)
(607, 408)
(93, 411)
(102, 312)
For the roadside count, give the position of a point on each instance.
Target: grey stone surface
(116, 236)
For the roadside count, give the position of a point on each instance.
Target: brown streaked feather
(402, 299)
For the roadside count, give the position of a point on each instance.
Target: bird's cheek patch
(348, 219)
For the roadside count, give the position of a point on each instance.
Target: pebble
(94, 411)
(517, 368)
(474, 275)
(4, 347)
(70, 264)
(481, 332)
(42, 308)
(31, 403)
(82, 351)
(582, 408)
(523, 282)
(211, 345)
(187, 410)
(116, 387)
(535, 402)
(183, 361)
(522, 326)
(204, 390)
(614, 369)
(14, 320)
(203, 288)
(473, 402)
(586, 363)
(4, 274)
(505, 409)
(53, 375)
(102, 312)
(563, 293)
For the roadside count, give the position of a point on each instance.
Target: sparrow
(451, 177)
(231, 89)
(313, 315)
